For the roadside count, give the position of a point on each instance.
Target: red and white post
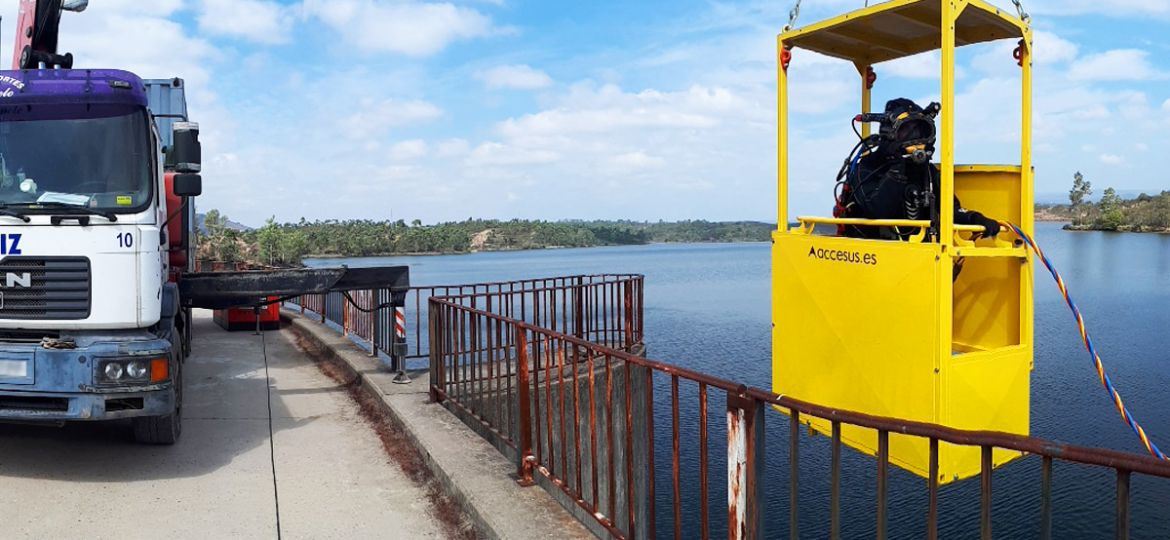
(398, 350)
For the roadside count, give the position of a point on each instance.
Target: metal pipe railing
(544, 368)
(539, 300)
(580, 415)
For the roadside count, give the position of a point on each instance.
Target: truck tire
(165, 429)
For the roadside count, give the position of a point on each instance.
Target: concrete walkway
(294, 460)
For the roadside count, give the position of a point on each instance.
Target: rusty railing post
(793, 473)
(628, 312)
(579, 310)
(985, 495)
(525, 414)
(882, 482)
(1046, 498)
(436, 334)
(745, 466)
(1122, 504)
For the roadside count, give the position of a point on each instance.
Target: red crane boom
(37, 29)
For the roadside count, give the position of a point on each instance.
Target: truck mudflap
(220, 290)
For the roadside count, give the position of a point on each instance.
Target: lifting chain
(1020, 8)
(792, 16)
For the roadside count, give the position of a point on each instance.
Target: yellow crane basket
(883, 327)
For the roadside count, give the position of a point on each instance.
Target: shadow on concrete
(226, 419)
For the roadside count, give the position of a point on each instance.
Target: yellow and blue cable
(1097, 364)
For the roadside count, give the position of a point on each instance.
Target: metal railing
(356, 314)
(375, 329)
(582, 417)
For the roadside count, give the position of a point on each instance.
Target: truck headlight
(113, 371)
(136, 370)
(131, 371)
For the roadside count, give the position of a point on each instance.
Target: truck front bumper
(53, 407)
(54, 385)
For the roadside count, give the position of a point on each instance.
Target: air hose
(1097, 364)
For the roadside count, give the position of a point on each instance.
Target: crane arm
(37, 29)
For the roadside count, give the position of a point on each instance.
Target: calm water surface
(707, 308)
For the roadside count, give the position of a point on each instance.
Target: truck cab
(91, 220)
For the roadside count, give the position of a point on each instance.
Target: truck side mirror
(188, 185)
(186, 153)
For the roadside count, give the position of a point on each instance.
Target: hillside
(201, 224)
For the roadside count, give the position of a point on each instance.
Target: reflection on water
(707, 307)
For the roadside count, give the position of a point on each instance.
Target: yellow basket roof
(900, 28)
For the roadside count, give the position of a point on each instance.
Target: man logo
(13, 280)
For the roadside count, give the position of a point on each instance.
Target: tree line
(284, 244)
(1145, 213)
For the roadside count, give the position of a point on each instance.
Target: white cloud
(452, 148)
(1111, 159)
(591, 140)
(1053, 49)
(148, 45)
(608, 109)
(920, 66)
(494, 153)
(154, 8)
(410, 28)
(1050, 50)
(818, 84)
(377, 117)
(406, 150)
(1116, 65)
(519, 76)
(1166, 106)
(634, 161)
(260, 21)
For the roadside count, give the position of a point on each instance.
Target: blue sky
(645, 110)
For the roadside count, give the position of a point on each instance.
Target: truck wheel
(165, 429)
(158, 429)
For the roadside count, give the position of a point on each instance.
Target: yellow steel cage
(883, 327)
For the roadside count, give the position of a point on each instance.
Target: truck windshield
(98, 163)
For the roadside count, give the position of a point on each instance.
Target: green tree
(268, 242)
(1111, 217)
(1081, 190)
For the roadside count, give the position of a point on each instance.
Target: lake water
(707, 308)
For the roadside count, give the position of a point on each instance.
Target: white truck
(97, 168)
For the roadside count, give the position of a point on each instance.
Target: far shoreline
(547, 248)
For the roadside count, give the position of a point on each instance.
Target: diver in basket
(890, 176)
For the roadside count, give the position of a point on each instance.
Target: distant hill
(235, 226)
(278, 244)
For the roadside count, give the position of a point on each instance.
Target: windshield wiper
(4, 211)
(74, 210)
